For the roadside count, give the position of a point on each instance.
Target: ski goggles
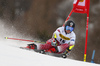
(69, 28)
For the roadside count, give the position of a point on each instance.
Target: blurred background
(40, 18)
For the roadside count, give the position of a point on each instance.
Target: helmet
(69, 25)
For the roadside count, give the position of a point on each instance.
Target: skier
(62, 41)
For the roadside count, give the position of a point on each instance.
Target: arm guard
(71, 47)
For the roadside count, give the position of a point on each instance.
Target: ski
(46, 52)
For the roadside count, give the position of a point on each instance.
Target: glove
(54, 42)
(69, 49)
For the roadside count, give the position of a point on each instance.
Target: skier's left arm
(72, 42)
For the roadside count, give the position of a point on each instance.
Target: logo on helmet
(71, 24)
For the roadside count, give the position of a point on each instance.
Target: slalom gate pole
(92, 60)
(71, 12)
(86, 39)
(85, 52)
(23, 40)
(68, 17)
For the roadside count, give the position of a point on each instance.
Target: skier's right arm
(54, 40)
(54, 37)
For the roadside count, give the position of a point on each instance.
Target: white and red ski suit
(64, 41)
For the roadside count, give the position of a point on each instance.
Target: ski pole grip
(6, 37)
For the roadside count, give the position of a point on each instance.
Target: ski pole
(23, 40)
(92, 60)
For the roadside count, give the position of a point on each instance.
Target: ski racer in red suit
(62, 41)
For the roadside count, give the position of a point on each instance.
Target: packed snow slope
(11, 55)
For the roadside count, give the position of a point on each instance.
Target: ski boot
(42, 51)
(65, 54)
(51, 50)
(31, 46)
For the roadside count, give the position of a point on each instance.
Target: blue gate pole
(92, 60)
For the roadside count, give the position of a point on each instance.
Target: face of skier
(69, 29)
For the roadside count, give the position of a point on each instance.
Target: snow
(11, 55)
